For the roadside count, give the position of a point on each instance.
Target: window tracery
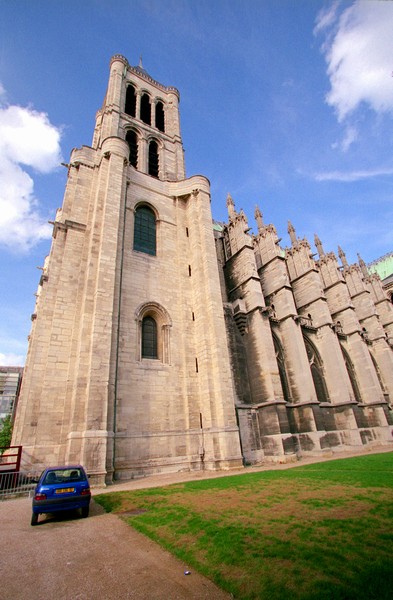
(316, 367)
(281, 368)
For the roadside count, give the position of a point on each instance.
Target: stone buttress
(263, 420)
(297, 383)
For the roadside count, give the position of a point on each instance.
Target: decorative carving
(363, 266)
(342, 257)
(319, 246)
(305, 322)
(292, 234)
(60, 226)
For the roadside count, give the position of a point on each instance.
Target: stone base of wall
(310, 430)
(136, 471)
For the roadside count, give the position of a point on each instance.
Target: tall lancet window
(153, 332)
(160, 117)
(132, 141)
(145, 230)
(281, 369)
(352, 375)
(130, 106)
(149, 338)
(146, 109)
(316, 371)
(153, 159)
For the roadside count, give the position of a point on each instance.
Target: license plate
(65, 490)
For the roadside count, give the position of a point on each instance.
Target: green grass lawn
(321, 531)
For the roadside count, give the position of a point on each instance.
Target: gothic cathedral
(162, 341)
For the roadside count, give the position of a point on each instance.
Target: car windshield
(64, 476)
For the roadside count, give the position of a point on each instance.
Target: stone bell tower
(128, 369)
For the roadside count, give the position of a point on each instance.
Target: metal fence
(16, 484)
(10, 457)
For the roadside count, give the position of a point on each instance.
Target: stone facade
(162, 343)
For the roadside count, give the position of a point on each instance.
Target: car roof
(63, 468)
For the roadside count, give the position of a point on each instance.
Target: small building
(10, 383)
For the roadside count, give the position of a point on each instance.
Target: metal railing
(15, 484)
(10, 457)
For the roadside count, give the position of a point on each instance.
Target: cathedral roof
(143, 73)
(383, 266)
(141, 70)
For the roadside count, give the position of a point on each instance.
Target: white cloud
(27, 139)
(12, 360)
(326, 18)
(350, 136)
(352, 175)
(359, 55)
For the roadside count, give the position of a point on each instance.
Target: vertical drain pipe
(118, 334)
(202, 446)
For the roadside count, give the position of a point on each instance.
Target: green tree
(5, 433)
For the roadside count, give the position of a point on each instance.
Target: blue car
(61, 488)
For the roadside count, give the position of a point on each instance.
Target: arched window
(153, 159)
(160, 116)
(378, 372)
(352, 376)
(149, 338)
(132, 141)
(130, 106)
(153, 332)
(145, 230)
(146, 109)
(281, 369)
(316, 371)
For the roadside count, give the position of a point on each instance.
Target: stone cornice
(327, 258)
(60, 226)
(146, 77)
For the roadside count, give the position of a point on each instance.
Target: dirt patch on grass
(132, 513)
(293, 502)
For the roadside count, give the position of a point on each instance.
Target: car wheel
(34, 519)
(85, 512)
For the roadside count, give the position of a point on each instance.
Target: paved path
(100, 558)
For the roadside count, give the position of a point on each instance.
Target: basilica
(163, 341)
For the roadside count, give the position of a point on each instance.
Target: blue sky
(287, 104)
